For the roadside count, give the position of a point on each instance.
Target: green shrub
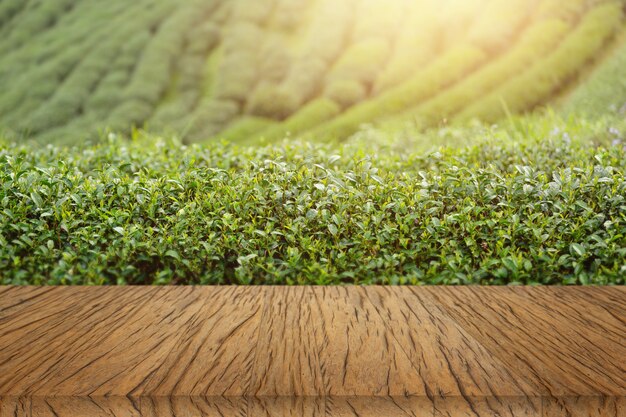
(61, 60)
(541, 80)
(499, 23)
(570, 10)
(236, 76)
(308, 117)
(377, 20)
(167, 115)
(128, 114)
(8, 9)
(241, 36)
(538, 41)
(457, 19)
(47, 79)
(329, 31)
(203, 38)
(47, 13)
(350, 79)
(542, 210)
(75, 90)
(451, 67)
(361, 62)
(274, 59)
(257, 12)
(245, 129)
(108, 94)
(416, 44)
(303, 83)
(604, 90)
(288, 14)
(131, 50)
(152, 75)
(346, 93)
(211, 117)
(270, 100)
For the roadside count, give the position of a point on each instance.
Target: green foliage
(538, 41)
(8, 9)
(164, 64)
(375, 22)
(311, 115)
(499, 23)
(514, 208)
(458, 17)
(605, 90)
(448, 69)
(570, 10)
(415, 36)
(255, 12)
(362, 62)
(245, 129)
(211, 117)
(346, 93)
(546, 76)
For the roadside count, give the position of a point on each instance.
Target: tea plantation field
(312, 142)
(243, 70)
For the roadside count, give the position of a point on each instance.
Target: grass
(538, 200)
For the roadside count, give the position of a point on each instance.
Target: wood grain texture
(312, 351)
(357, 355)
(450, 362)
(584, 407)
(288, 359)
(488, 407)
(215, 348)
(566, 341)
(379, 406)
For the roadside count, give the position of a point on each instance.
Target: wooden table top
(313, 351)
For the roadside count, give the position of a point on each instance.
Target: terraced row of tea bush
(243, 69)
(534, 201)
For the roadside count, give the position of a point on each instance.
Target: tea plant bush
(194, 69)
(604, 90)
(536, 201)
(535, 43)
(545, 77)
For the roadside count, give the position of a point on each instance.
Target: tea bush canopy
(535, 201)
(204, 70)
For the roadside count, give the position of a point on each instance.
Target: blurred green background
(256, 71)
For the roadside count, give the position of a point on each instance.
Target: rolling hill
(242, 70)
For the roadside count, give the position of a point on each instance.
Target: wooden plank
(488, 407)
(312, 350)
(191, 407)
(311, 407)
(612, 300)
(288, 361)
(216, 407)
(127, 344)
(584, 407)
(15, 407)
(14, 297)
(571, 348)
(117, 406)
(450, 361)
(357, 355)
(379, 406)
(288, 407)
(214, 353)
(58, 333)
